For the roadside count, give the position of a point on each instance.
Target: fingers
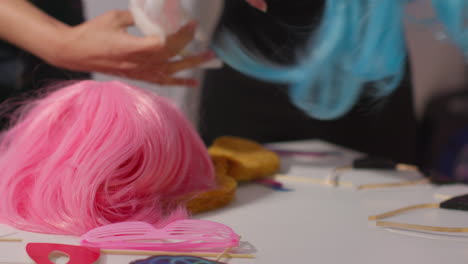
(122, 18)
(145, 58)
(188, 62)
(158, 74)
(152, 49)
(142, 49)
(178, 41)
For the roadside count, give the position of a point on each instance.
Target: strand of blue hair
(358, 43)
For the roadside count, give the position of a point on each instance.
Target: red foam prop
(40, 253)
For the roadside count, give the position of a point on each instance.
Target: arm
(27, 27)
(100, 45)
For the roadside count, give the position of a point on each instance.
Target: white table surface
(319, 224)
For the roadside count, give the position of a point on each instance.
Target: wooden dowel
(11, 240)
(395, 184)
(406, 167)
(402, 210)
(334, 177)
(311, 180)
(332, 182)
(223, 254)
(422, 227)
(443, 196)
(163, 253)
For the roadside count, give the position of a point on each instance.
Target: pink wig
(94, 153)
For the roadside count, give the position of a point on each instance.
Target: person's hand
(103, 45)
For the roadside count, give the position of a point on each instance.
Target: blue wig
(359, 44)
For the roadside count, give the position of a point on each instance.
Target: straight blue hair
(359, 43)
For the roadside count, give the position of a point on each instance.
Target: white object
(162, 18)
(158, 17)
(207, 14)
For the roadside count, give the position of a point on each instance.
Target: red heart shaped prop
(40, 253)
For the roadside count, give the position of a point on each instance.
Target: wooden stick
(332, 182)
(336, 173)
(11, 240)
(395, 184)
(442, 196)
(311, 180)
(422, 227)
(406, 167)
(162, 253)
(223, 253)
(2, 262)
(402, 210)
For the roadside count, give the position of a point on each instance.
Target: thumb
(144, 44)
(121, 18)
